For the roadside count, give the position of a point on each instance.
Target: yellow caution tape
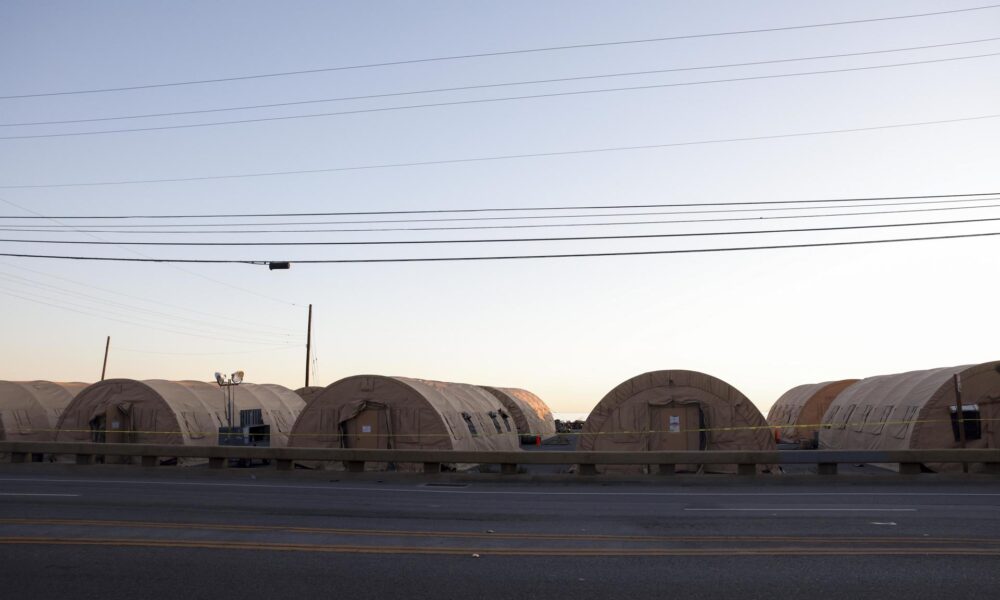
(864, 424)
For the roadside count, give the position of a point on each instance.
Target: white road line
(25, 494)
(809, 509)
(425, 490)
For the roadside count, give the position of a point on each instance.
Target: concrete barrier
(150, 455)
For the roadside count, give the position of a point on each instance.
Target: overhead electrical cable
(503, 53)
(501, 240)
(521, 226)
(157, 316)
(969, 196)
(481, 100)
(258, 351)
(493, 85)
(221, 261)
(501, 157)
(98, 313)
(93, 287)
(76, 228)
(143, 226)
(175, 267)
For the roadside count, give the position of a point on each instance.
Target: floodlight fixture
(237, 377)
(219, 378)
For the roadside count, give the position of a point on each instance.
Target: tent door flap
(367, 429)
(675, 426)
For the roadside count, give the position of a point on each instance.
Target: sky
(569, 329)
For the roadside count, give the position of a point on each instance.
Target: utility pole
(309, 336)
(961, 417)
(107, 346)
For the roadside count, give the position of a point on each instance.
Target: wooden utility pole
(961, 413)
(107, 346)
(309, 337)
(961, 417)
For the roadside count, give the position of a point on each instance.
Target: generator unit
(251, 432)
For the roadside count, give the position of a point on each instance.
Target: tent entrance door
(675, 426)
(118, 424)
(368, 429)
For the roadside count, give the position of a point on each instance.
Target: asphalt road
(126, 532)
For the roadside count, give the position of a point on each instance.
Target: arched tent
(374, 411)
(280, 407)
(917, 409)
(799, 411)
(675, 410)
(531, 415)
(150, 412)
(170, 412)
(30, 410)
(309, 392)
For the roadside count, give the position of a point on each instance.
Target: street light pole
(227, 384)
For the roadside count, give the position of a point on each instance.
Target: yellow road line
(568, 552)
(499, 536)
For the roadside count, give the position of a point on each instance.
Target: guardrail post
(432, 467)
(355, 466)
(508, 469)
(746, 469)
(150, 461)
(284, 464)
(826, 468)
(666, 469)
(909, 468)
(587, 469)
(18, 457)
(84, 459)
(217, 462)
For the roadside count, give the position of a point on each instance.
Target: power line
(196, 324)
(508, 257)
(92, 286)
(483, 100)
(175, 267)
(522, 226)
(497, 85)
(141, 226)
(92, 312)
(259, 351)
(157, 317)
(502, 53)
(507, 208)
(504, 156)
(507, 240)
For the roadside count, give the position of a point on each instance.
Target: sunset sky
(569, 329)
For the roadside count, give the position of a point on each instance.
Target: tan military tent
(30, 410)
(916, 410)
(171, 412)
(531, 415)
(799, 411)
(374, 411)
(309, 392)
(675, 410)
(279, 405)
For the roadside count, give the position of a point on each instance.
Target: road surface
(127, 532)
